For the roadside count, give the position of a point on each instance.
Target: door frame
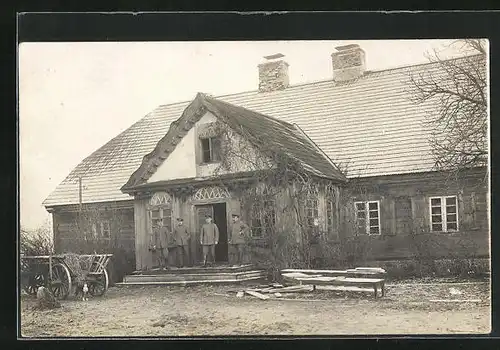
(194, 219)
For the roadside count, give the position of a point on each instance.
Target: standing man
(159, 245)
(209, 237)
(182, 237)
(239, 233)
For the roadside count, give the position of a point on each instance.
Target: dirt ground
(215, 310)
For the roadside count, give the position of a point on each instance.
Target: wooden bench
(357, 272)
(375, 283)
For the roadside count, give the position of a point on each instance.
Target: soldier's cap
(208, 216)
(236, 215)
(180, 219)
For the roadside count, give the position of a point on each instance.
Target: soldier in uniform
(182, 236)
(239, 234)
(209, 237)
(164, 235)
(158, 245)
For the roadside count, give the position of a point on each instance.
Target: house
(210, 154)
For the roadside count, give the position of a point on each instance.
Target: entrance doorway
(218, 213)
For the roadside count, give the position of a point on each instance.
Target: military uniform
(209, 237)
(159, 244)
(239, 233)
(181, 237)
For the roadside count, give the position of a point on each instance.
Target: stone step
(194, 277)
(233, 280)
(197, 270)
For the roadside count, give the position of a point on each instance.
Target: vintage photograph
(266, 188)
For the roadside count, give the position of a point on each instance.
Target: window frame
(444, 214)
(98, 230)
(330, 216)
(367, 218)
(214, 157)
(262, 207)
(161, 209)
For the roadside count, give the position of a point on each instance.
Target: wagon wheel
(99, 285)
(60, 285)
(34, 281)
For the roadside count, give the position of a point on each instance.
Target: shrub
(38, 242)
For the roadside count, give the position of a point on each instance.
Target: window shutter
(420, 214)
(387, 217)
(403, 215)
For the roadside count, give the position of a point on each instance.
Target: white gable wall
(181, 162)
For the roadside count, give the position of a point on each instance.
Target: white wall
(181, 163)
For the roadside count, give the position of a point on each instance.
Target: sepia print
(298, 188)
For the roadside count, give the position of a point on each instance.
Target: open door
(220, 219)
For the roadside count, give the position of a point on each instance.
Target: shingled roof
(369, 123)
(277, 135)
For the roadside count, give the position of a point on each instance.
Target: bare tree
(459, 122)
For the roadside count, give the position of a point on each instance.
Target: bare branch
(454, 94)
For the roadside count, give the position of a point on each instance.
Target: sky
(74, 97)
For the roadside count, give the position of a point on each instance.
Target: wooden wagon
(53, 272)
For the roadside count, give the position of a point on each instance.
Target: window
(101, 230)
(263, 217)
(444, 216)
(311, 211)
(330, 212)
(161, 217)
(210, 149)
(368, 217)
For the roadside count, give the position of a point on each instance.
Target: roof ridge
(285, 123)
(323, 80)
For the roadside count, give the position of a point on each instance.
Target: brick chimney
(348, 62)
(273, 73)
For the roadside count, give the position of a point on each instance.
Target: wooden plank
(379, 269)
(298, 274)
(336, 280)
(329, 272)
(303, 289)
(257, 294)
(455, 300)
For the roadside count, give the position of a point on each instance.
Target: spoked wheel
(34, 281)
(99, 285)
(60, 285)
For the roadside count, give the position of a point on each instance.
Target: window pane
(436, 218)
(156, 222)
(451, 209)
(216, 148)
(361, 214)
(374, 230)
(361, 226)
(436, 210)
(451, 218)
(373, 222)
(167, 222)
(435, 201)
(105, 230)
(373, 206)
(155, 214)
(373, 214)
(257, 232)
(436, 227)
(451, 201)
(360, 206)
(205, 146)
(452, 226)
